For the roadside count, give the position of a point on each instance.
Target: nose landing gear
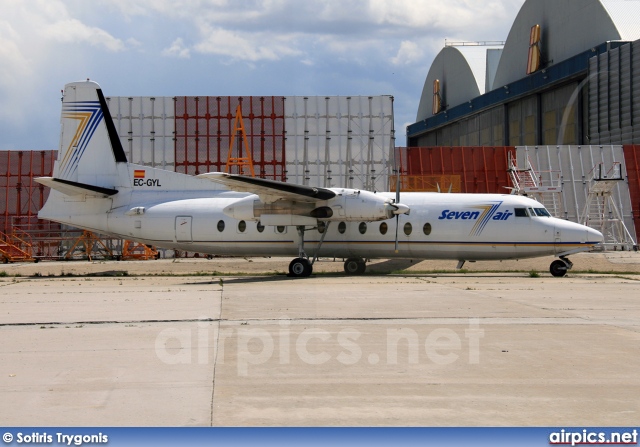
(559, 267)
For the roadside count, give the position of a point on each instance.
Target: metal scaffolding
(600, 210)
(527, 182)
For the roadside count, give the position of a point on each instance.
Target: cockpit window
(542, 212)
(520, 212)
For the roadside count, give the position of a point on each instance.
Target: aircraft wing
(269, 191)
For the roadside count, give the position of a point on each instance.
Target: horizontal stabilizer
(269, 190)
(74, 188)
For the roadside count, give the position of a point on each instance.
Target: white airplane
(95, 188)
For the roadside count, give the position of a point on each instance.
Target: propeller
(398, 208)
(397, 203)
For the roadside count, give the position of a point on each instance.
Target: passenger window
(427, 228)
(242, 225)
(407, 228)
(383, 228)
(260, 227)
(281, 229)
(321, 227)
(221, 226)
(362, 228)
(520, 212)
(342, 227)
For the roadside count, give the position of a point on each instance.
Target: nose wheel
(559, 267)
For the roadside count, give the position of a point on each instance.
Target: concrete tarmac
(473, 349)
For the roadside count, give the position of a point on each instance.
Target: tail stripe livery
(89, 114)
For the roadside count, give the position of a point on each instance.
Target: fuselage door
(183, 229)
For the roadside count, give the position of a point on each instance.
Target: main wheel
(558, 268)
(354, 266)
(300, 268)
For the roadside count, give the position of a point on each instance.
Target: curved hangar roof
(568, 27)
(462, 72)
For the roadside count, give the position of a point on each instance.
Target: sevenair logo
(139, 179)
(482, 217)
(88, 114)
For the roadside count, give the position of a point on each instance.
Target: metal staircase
(601, 212)
(13, 248)
(527, 182)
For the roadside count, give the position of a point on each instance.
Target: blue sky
(225, 47)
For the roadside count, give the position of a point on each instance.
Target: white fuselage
(459, 226)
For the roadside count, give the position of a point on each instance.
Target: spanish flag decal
(139, 173)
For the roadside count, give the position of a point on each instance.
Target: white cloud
(408, 53)
(31, 34)
(72, 30)
(245, 46)
(300, 47)
(177, 49)
(15, 66)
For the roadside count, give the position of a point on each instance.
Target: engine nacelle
(356, 206)
(349, 205)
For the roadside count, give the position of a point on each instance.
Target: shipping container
(481, 169)
(20, 196)
(206, 129)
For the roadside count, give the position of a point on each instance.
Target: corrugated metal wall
(575, 164)
(482, 169)
(614, 96)
(339, 141)
(20, 196)
(328, 141)
(204, 127)
(146, 128)
(632, 161)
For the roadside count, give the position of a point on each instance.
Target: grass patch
(3, 274)
(533, 274)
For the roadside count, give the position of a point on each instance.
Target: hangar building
(584, 64)
(560, 97)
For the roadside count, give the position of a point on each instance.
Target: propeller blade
(397, 225)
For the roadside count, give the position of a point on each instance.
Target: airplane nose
(594, 236)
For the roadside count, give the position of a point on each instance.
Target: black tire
(300, 268)
(558, 268)
(354, 266)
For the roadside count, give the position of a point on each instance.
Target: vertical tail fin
(90, 148)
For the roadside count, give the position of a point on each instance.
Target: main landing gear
(354, 266)
(559, 267)
(302, 266)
